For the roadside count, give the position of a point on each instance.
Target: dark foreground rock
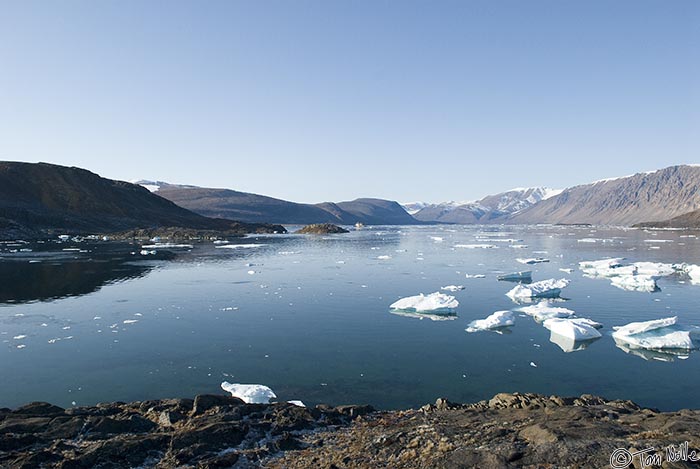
(510, 430)
(322, 228)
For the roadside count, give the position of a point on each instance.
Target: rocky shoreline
(508, 431)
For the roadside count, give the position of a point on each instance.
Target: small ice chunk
(453, 288)
(19, 337)
(249, 393)
(516, 276)
(474, 276)
(251, 272)
(433, 302)
(384, 257)
(532, 260)
(495, 321)
(297, 403)
(476, 246)
(437, 239)
(568, 271)
(574, 328)
(550, 288)
(240, 246)
(130, 321)
(533, 364)
(167, 246)
(545, 310)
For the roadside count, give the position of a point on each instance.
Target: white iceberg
(496, 320)
(643, 283)
(601, 268)
(516, 276)
(543, 289)
(545, 310)
(569, 345)
(532, 260)
(693, 271)
(433, 302)
(249, 393)
(658, 334)
(576, 329)
(453, 288)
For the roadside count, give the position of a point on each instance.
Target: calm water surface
(309, 317)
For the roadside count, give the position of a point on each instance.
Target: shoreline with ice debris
(508, 430)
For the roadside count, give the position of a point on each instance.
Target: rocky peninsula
(507, 431)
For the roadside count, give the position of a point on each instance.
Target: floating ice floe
(532, 260)
(384, 258)
(476, 246)
(693, 271)
(453, 288)
(550, 288)
(297, 403)
(545, 310)
(420, 303)
(637, 276)
(474, 276)
(659, 334)
(167, 246)
(249, 393)
(240, 246)
(516, 276)
(497, 320)
(643, 283)
(437, 239)
(576, 329)
(569, 345)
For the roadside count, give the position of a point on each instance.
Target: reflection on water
(45, 276)
(660, 355)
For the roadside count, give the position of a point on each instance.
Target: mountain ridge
(249, 207)
(38, 198)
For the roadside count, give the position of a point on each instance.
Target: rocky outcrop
(209, 431)
(322, 228)
(687, 220)
(507, 431)
(40, 199)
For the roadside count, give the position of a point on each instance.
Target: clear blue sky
(333, 100)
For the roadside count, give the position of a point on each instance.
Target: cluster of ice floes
(434, 302)
(495, 322)
(550, 288)
(476, 246)
(659, 334)
(636, 276)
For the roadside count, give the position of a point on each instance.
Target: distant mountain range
(226, 203)
(643, 197)
(40, 198)
(491, 209)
